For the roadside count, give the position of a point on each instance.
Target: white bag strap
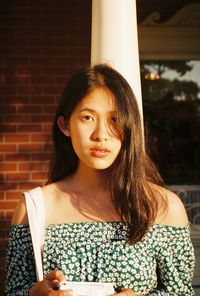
(36, 218)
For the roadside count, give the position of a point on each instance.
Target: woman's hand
(47, 287)
(127, 292)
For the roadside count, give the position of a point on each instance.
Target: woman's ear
(63, 125)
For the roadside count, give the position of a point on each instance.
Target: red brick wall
(41, 44)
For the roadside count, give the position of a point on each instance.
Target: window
(171, 104)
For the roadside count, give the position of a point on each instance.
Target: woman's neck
(90, 180)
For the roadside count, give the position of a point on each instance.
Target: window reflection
(171, 102)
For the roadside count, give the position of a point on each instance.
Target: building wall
(166, 9)
(41, 44)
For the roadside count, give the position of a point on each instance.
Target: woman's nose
(100, 132)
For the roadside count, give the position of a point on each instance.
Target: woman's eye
(88, 117)
(114, 119)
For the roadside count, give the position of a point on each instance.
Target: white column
(115, 39)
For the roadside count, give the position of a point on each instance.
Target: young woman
(108, 216)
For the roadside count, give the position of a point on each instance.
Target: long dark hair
(130, 185)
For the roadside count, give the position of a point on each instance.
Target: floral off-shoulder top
(162, 263)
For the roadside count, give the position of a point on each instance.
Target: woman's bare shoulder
(51, 192)
(172, 211)
(20, 215)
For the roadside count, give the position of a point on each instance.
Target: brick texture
(41, 44)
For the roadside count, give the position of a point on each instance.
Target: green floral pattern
(161, 263)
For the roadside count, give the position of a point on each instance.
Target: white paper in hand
(88, 288)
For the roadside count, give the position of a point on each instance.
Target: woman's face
(93, 130)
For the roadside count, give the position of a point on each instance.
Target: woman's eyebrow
(87, 109)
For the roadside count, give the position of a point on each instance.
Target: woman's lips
(99, 151)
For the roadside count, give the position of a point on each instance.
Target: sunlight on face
(94, 131)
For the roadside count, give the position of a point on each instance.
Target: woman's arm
(175, 259)
(20, 265)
